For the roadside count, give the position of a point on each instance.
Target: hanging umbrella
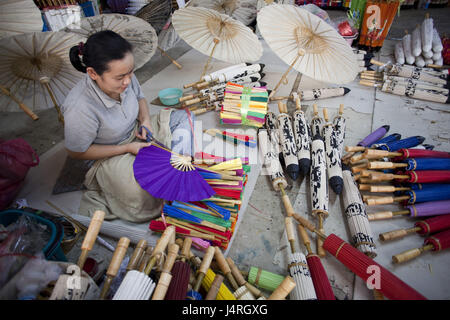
(298, 268)
(217, 35)
(169, 176)
(193, 294)
(181, 271)
(436, 242)
(139, 33)
(318, 180)
(334, 169)
(390, 286)
(36, 69)
(302, 137)
(307, 43)
(19, 16)
(355, 212)
(424, 209)
(423, 227)
(287, 142)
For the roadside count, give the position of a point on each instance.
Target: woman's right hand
(134, 147)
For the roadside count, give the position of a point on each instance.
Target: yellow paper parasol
(307, 43)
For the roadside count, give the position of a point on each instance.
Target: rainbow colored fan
(170, 176)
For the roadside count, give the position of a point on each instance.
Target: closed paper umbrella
(241, 10)
(339, 123)
(437, 42)
(244, 286)
(217, 35)
(316, 94)
(399, 53)
(319, 183)
(223, 294)
(271, 124)
(264, 279)
(287, 142)
(307, 44)
(414, 153)
(427, 164)
(416, 93)
(355, 212)
(138, 285)
(201, 272)
(302, 137)
(416, 42)
(424, 209)
(436, 242)
(390, 286)
(423, 227)
(19, 16)
(36, 70)
(416, 84)
(406, 43)
(334, 169)
(138, 32)
(284, 289)
(166, 276)
(420, 176)
(401, 144)
(427, 33)
(181, 272)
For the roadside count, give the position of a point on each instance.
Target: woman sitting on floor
(103, 116)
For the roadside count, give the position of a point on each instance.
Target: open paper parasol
(139, 33)
(241, 10)
(19, 16)
(36, 69)
(156, 12)
(217, 35)
(307, 43)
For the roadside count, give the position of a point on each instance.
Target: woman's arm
(98, 151)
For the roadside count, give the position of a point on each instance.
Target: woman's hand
(143, 134)
(135, 147)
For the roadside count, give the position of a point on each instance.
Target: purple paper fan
(155, 174)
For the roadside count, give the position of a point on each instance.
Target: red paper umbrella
(424, 227)
(420, 176)
(181, 272)
(390, 286)
(436, 242)
(418, 153)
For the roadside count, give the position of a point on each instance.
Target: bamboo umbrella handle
(364, 187)
(325, 114)
(207, 259)
(375, 62)
(386, 215)
(385, 200)
(193, 101)
(319, 241)
(240, 279)
(189, 85)
(385, 165)
(225, 268)
(410, 254)
(282, 291)
(137, 254)
(114, 265)
(186, 248)
(279, 98)
(354, 148)
(283, 77)
(160, 247)
(397, 234)
(22, 106)
(305, 237)
(290, 232)
(91, 235)
(215, 286)
(170, 58)
(341, 109)
(188, 97)
(377, 154)
(298, 105)
(387, 188)
(166, 277)
(145, 258)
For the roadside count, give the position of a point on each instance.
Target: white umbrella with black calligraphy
(302, 134)
(334, 169)
(287, 142)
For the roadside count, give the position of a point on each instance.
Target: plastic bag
(16, 158)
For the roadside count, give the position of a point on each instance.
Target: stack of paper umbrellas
(208, 93)
(418, 83)
(391, 170)
(212, 219)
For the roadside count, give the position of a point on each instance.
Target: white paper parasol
(19, 16)
(241, 10)
(217, 35)
(138, 32)
(307, 43)
(36, 69)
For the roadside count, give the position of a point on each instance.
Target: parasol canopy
(19, 16)
(157, 13)
(307, 43)
(36, 69)
(217, 35)
(139, 33)
(241, 10)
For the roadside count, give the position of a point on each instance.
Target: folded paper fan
(169, 176)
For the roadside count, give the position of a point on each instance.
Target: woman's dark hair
(100, 48)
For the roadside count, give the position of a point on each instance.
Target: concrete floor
(260, 240)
